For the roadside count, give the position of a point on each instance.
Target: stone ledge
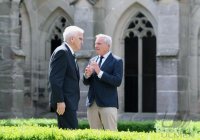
(157, 116)
(146, 116)
(18, 53)
(167, 52)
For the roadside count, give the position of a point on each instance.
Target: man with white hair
(64, 78)
(103, 75)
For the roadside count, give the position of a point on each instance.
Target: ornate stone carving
(92, 2)
(73, 2)
(140, 26)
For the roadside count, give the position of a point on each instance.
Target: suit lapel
(106, 62)
(73, 60)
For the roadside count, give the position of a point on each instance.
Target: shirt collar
(70, 48)
(105, 55)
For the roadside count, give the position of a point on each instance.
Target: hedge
(139, 126)
(184, 127)
(53, 133)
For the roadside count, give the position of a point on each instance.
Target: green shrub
(28, 122)
(53, 133)
(185, 127)
(139, 126)
(143, 126)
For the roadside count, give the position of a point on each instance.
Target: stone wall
(183, 59)
(167, 53)
(193, 92)
(11, 62)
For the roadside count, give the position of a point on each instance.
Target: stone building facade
(158, 40)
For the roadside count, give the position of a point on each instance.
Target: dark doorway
(140, 66)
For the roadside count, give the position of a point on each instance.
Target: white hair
(71, 31)
(107, 39)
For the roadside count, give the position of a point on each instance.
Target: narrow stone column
(11, 61)
(167, 54)
(84, 18)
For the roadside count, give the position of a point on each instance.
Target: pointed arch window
(140, 65)
(56, 35)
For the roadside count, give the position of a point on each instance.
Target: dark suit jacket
(63, 78)
(104, 90)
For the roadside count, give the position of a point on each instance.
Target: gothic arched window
(140, 65)
(56, 35)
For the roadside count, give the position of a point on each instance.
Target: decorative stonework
(60, 24)
(56, 34)
(92, 2)
(140, 26)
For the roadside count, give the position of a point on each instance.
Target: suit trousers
(102, 117)
(68, 120)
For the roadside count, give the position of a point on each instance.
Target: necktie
(77, 68)
(75, 60)
(100, 61)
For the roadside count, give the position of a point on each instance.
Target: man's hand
(60, 108)
(95, 66)
(88, 71)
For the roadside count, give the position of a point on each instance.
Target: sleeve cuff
(100, 74)
(86, 77)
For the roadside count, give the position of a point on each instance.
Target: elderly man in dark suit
(103, 75)
(64, 78)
